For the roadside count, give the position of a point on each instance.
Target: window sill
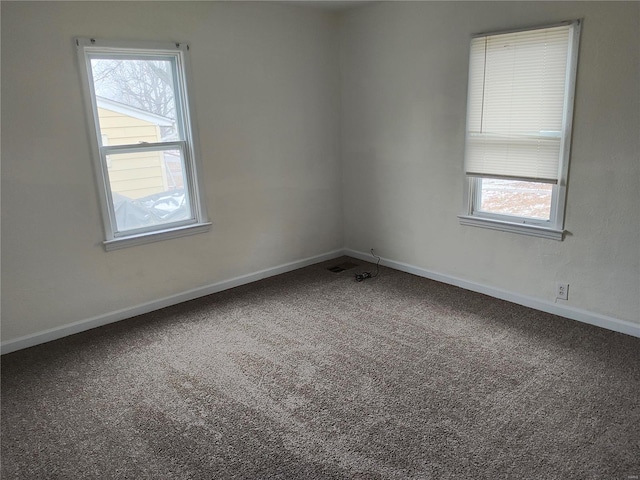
(157, 236)
(522, 228)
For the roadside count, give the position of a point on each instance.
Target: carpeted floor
(311, 375)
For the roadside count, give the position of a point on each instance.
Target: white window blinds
(516, 104)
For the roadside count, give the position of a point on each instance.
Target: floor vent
(342, 267)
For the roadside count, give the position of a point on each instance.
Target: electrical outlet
(562, 291)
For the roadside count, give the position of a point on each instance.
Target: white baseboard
(566, 311)
(98, 321)
(585, 316)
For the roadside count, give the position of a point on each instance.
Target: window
(519, 114)
(143, 140)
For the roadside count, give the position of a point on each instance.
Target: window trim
(554, 228)
(198, 223)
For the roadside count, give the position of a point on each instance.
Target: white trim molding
(524, 228)
(566, 311)
(122, 314)
(155, 236)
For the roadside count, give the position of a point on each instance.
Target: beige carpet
(311, 375)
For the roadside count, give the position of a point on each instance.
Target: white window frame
(178, 52)
(554, 227)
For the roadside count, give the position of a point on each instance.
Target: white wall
(404, 85)
(306, 120)
(266, 89)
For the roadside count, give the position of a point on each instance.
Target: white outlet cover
(562, 291)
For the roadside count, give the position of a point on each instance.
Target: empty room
(309, 240)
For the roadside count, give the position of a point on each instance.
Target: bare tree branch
(144, 84)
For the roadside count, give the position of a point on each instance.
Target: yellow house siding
(136, 175)
(133, 175)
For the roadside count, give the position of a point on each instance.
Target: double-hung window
(143, 140)
(519, 116)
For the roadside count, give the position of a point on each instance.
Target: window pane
(148, 188)
(135, 99)
(514, 197)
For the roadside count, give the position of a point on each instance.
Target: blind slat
(517, 85)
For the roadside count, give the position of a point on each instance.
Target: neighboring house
(136, 175)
